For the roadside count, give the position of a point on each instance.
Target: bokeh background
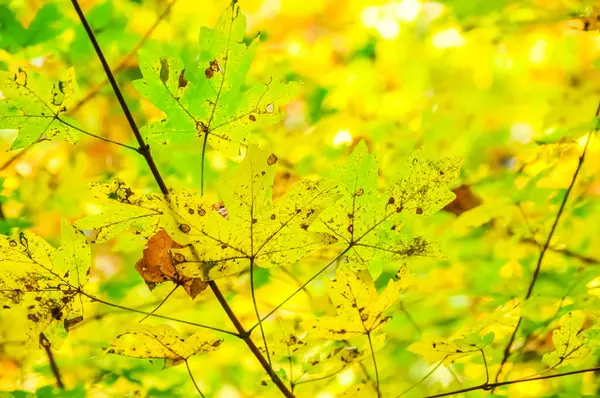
(511, 86)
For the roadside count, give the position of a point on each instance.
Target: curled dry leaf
(158, 266)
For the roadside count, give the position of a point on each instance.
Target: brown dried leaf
(157, 265)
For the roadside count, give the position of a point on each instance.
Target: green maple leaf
(36, 107)
(212, 99)
(368, 222)
(162, 342)
(360, 310)
(44, 27)
(569, 341)
(257, 231)
(40, 283)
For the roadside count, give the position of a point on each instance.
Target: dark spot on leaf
(182, 80)
(304, 226)
(32, 317)
(351, 228)
(272, 217)
(399, 209)
(184, 228)
(13, 243)
(272, 159)
(252, 117)
(391, 201)
(419, 210)
(191, 211)
(209, 73)
(179, 258)
(201, 211)
(254, 221)
(360, 192)
(56, 313)
(164, 70)
(69, 323)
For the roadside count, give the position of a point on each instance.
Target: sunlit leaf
(369, 221)
(360, 310)
(162, 342)
(42, 280)
(36, 107)
(212, 98)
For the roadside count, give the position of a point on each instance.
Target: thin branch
(489, 386)
(144, 149)
(374, 365)
(96, 90)
(538, 266)
(187, 365)
(245, 335)
(160, 304)
(93, 298)
(45, 343)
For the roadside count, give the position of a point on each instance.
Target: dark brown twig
(489, 386)
(121, 66)
(145, 152)
(144, 149)
(546, 245)
(45, 343)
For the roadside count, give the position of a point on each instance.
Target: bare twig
(45, 343)
(121, 66)
(546, 245)
(490, 386)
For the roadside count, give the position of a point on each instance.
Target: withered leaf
(158, 265)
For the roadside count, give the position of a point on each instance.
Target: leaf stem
(187, 365)
(374, 365)
(538, 266)
(298, 290)
(436, 367)
(44, 342)
(93, 298)
(160, 304)
(253, 294)
(96, 136)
